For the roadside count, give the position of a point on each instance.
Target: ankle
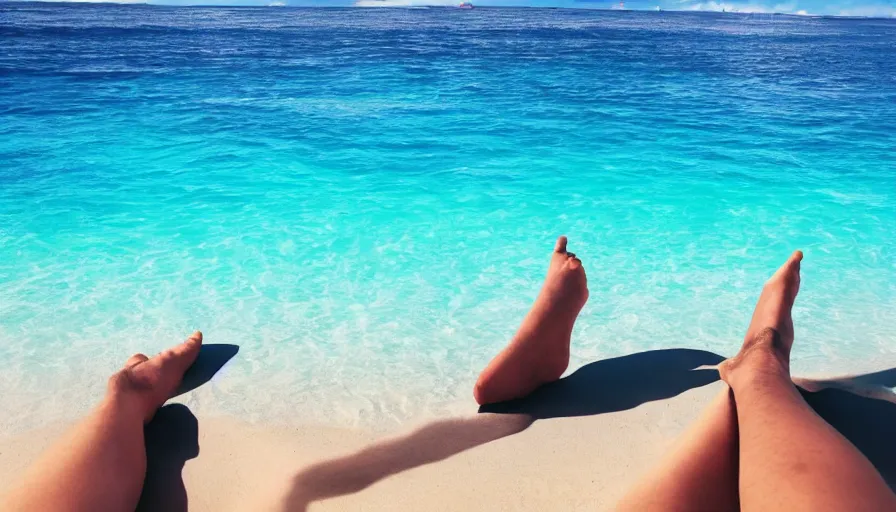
(767, 348)
(552, 366)
(760, 359)
(122, 405)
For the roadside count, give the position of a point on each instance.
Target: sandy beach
(574, 445)
(363, 211)
(491, 461)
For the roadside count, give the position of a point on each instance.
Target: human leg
(539, 352)
(100, 463)
(699, 474)
(790, 458)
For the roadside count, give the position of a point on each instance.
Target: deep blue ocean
(364, 199)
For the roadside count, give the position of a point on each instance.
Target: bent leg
(101, 463)
(790, 458)
(699, 474)
(539, 352)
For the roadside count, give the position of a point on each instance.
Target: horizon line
(407, 7)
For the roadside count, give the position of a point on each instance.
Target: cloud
(719, 6)
(797, 7)
(404, 3)
(875, 11)
(104, 1)
(729, 7)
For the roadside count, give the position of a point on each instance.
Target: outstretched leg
(700, 472)
(539, 352)
(101, 463)
(790, 458)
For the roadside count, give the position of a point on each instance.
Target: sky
(875, 8)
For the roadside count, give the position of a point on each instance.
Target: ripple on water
(363, 200)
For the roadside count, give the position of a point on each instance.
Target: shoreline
(223, 394)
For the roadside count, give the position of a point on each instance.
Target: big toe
(792, 265)
(169, 366)
(560, 246)
(177, 359)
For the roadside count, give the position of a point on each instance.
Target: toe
(135, 359)
(177, 359)
(560, 246)
(793, 262)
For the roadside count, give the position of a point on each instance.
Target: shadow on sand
(604, 386)
(433, 442)
(212, 357)
(172, 437)
(617, 384)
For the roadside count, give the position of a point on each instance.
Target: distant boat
(465, 5)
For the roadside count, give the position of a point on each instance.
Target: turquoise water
(365, 200)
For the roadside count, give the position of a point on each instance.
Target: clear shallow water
(364, 200)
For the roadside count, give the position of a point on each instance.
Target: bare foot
(149, 382)
(539, 352)
(769, 338)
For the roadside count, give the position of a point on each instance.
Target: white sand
(489, 461)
